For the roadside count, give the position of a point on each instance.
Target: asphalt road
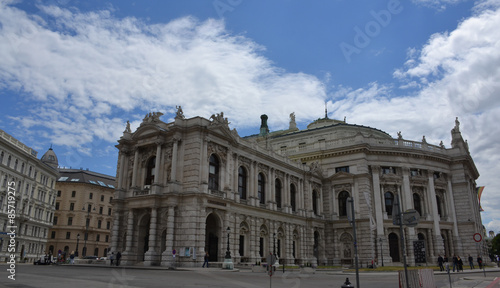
(66, 276)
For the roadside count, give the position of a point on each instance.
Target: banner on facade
(479, 192)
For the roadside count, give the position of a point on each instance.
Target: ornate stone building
(83, 215)
(32, 182)
(193, 186)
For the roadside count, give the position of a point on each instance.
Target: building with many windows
(194, 186)
(83, 214)
(27, 187)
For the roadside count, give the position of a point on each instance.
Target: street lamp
(381, 252)
(87, 220)
(228, 253)
(274, 244)
(77, 241)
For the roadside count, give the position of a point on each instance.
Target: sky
(72, 73)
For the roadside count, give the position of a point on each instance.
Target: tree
(495, 245)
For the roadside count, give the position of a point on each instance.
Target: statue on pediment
(179, 114)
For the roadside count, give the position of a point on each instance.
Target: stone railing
(358, 139)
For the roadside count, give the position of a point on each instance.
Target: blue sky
(73, 72)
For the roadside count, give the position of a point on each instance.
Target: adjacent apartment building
(83, 214)
(27, 187)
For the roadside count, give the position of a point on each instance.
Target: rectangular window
(109, 211)
(99, 222)
(53, 235)
(342, 169)
(108, 225)
(100, 210)
(110, 199)
(68, 235)
(97, 237)
(91, 195)
(58, 193)
(73, 194)
(71, 206)
(55, 220)
(70, 221)
(57, 205)
(261, 247)
(102, 197)
(107, 238)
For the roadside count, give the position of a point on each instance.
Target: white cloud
(87, 65)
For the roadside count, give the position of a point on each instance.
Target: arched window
(343, 203)
(242, 182)
(416, 203)
(389, 201)
(261, 189)
(213, 173)
(438, 202)
(150, 171)
(315, 202)
(277, 188)
(293, 202)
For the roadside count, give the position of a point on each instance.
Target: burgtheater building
(193, 186)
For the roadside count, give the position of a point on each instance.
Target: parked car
(42, 261)
(103, 258)
(91, 257)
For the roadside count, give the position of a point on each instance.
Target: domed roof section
(50, 158)
(322, 122)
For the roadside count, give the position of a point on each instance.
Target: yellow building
(82, 220)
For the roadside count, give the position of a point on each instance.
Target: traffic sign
(477, 237)
(410, 218)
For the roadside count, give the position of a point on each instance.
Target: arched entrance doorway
(394, 247)
(143, 238)
(212, 235)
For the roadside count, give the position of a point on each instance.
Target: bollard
(347, 284)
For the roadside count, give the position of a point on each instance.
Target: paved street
(65, 276)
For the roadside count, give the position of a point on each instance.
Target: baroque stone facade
(195, 186)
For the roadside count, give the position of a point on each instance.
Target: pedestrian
(205, 260)
(72, 258)
(479, 262)
(112, 258)
(118, 256)
(440, 263)
(460, 264)
(471, 262)
(455, 262)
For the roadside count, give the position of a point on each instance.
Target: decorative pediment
(341, 175)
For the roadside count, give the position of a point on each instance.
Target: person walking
(460, 264)
(471, 262)
(205, 260)
(118, 256)
(112, 258)
(72, 258)
(455, 262)
(479, 262)
(440, 263)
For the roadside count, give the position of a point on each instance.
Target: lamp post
(228, 253)
(381, 252)
(274, 244)
(87, 220)
(77, 241)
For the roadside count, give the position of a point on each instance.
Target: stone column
(173, 172)
(116, 231)
(270, 198)
(437, 239)
(121, 178)
(451, 204)
(136, 167)
(377, 197)
(152, 256)
(204, 163)
(129, 254)
(166, 258)
(155, 189)
(408, 201)
(236, 169)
